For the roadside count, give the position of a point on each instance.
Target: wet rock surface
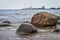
(26, 28)
(44, 19)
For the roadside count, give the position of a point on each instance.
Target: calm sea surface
(18, 16)
(22, 15)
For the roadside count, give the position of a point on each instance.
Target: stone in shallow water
(56, 30)
(44, 19)
(5, 23)
(8, 22)
(26, 22)
(26, 28)
(58, 17)
(58, 21)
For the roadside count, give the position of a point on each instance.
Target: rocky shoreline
(41, 20)
(34, 30)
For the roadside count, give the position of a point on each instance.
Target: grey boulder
(26, 28)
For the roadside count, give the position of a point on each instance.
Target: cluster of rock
(41, 20)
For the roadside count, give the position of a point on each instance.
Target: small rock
(5, 23)
(8, 22)
(26, 22)
(58, 17)
(26, 28)
(58, 21)
(56, 30)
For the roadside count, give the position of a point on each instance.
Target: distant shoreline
(24, 9)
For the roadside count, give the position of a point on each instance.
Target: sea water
(16, 17)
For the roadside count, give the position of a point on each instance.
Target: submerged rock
(26, 22)
(44, 19)
(58, 21)
(26, 28)
(58, 17)
(56, 30)
(5, 23)
(8, 22)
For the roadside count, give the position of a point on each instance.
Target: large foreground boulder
(44, 19)
(26, 28)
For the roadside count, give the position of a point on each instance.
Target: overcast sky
(18, 4)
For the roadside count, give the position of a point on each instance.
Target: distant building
(43, 7)
(32, 8)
